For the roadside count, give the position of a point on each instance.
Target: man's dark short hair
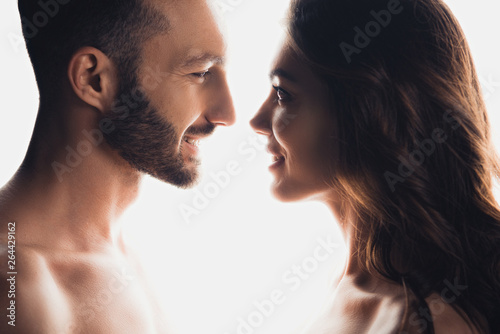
(55, 29)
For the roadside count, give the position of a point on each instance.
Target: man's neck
(78, 211)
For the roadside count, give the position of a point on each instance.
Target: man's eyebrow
(279, 72)
(203, 58)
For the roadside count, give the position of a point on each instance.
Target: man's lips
(192, 140)
(192, 143)
(193, 135)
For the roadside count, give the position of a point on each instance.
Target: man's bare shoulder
(28, 295)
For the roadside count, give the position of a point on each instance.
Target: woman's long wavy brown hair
(415, 165)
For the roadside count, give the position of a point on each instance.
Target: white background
(211, 269)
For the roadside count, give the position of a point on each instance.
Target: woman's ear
(93, 78)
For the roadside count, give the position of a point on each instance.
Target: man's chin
(193, 180)
(186, 178)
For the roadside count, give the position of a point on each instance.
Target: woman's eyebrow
(279, 72)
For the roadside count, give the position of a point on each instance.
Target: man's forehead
(194, 58)
(180, 9)
(190, 19)
(194, 37)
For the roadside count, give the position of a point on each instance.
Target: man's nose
(223, 112)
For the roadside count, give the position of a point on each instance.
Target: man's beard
(147, 141)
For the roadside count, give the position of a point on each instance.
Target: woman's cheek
(285, 121)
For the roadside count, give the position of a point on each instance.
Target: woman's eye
(281, 95)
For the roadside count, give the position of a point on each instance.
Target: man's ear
(93, 77)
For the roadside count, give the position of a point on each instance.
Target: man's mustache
(204, 130)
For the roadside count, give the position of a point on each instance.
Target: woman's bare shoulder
(371, 309)
(441, 315)
(447, 319)
(382, 310)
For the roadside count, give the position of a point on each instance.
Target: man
(127, 87)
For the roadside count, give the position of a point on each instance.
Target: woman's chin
(285, 198)
(287, 191)
(288, 194)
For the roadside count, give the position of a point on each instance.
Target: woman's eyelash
(281, 94)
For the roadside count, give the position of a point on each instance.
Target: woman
(376, 110)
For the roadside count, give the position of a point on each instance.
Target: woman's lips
(278, 161)
(277, 158)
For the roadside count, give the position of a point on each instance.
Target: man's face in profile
(185, 101)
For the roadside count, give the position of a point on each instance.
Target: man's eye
(281, 95)
(201, 75)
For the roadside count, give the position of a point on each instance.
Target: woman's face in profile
(296, 119)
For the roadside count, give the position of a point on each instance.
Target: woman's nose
(261, 122)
